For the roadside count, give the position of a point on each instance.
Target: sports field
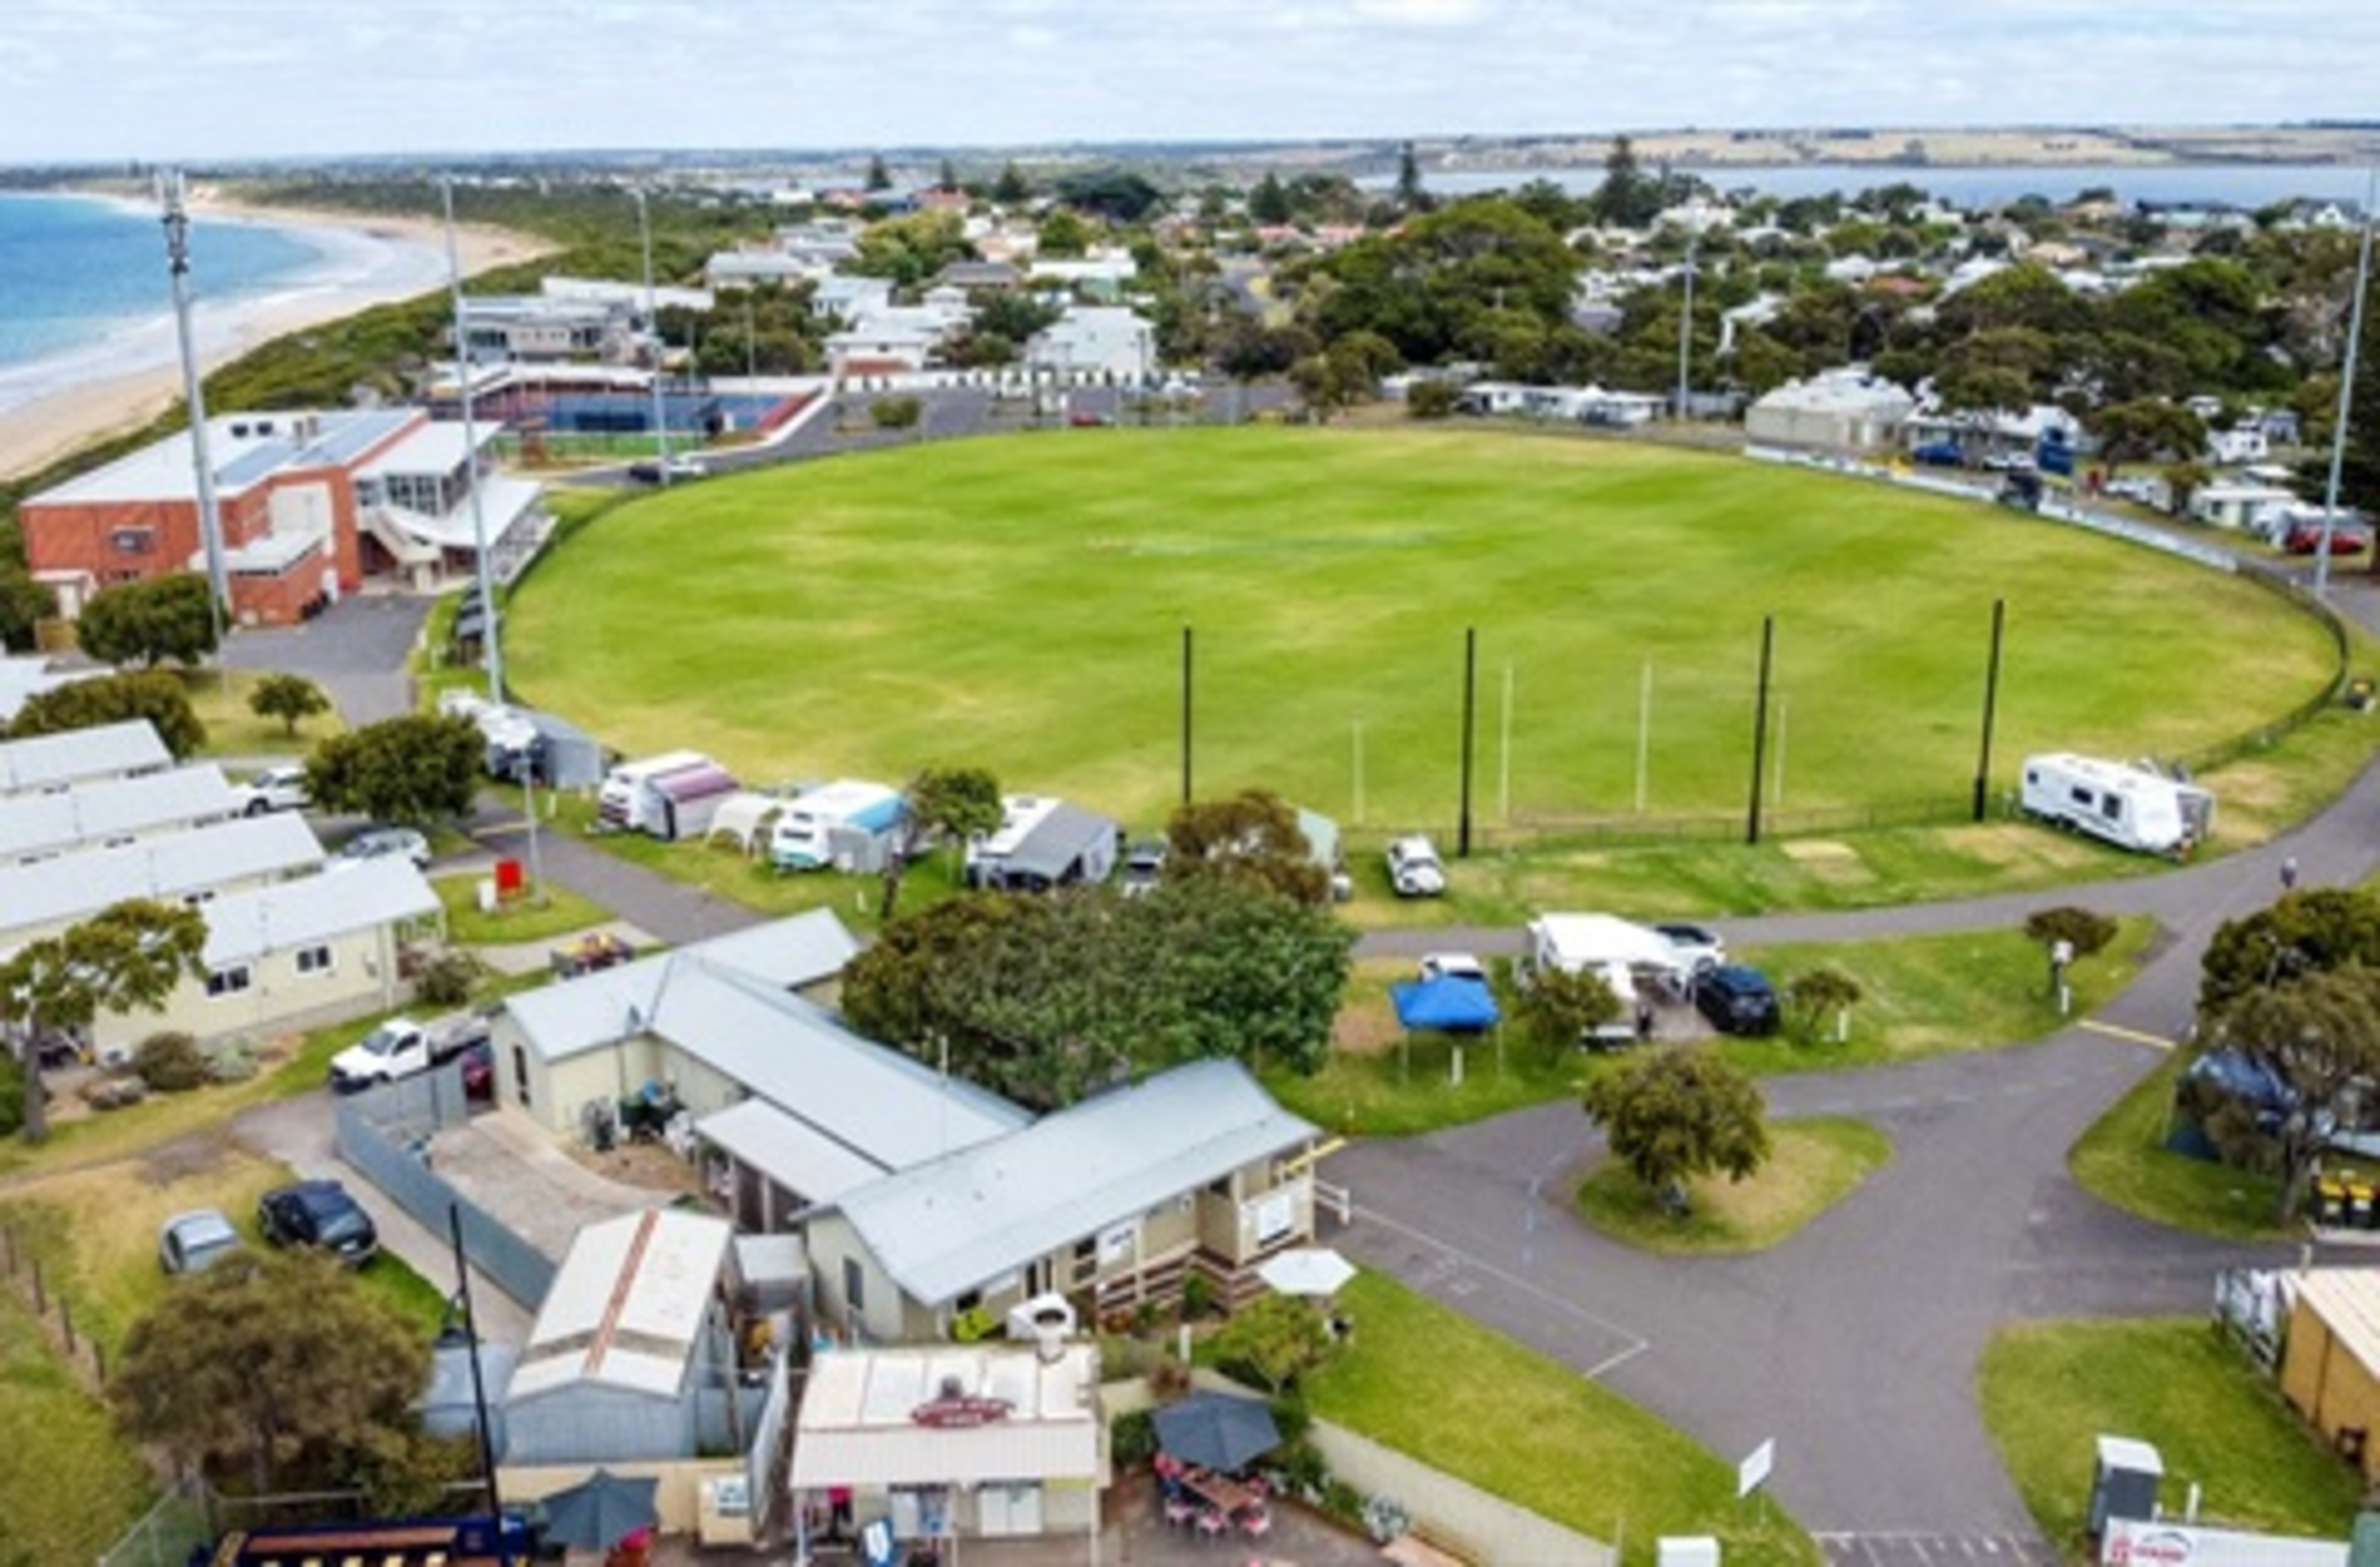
(1020, 602)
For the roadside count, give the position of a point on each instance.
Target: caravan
(1042, 843)
(670, 795)
(2130, 807)
(1615, 950)
(848, 824)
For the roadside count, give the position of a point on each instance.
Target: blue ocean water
(75, 270)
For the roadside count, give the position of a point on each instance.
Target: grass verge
(2124, 1161)
(1431, 1382)
(69, 1485)
(219, 697)
(551, 912)
(2049, 1389)
(1813, 1165)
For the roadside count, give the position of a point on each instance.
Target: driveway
(355, 651)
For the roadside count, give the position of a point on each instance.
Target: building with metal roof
(308, 506)
(1113, 1199)
(2330, 1364)
(47, 896)
(42, 762)
(113, 812)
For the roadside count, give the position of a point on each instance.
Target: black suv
(319, 1213)
(1737, 999)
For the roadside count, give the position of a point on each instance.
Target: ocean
(74, 271)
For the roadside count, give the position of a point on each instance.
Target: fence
(166, 1534)
(384, 1132)
(34, 1284)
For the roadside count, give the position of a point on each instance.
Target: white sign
(2135, 1543)
(1753, 1473)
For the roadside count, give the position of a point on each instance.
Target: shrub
(896, 413)
(12, 1094)
(112, 1093)
(231, 1061)
(1429, 399)
(1168, 1378)
(1133, 1438)
(448, 979)
(171, 1062)
(1198, 1296)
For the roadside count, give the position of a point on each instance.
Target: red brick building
(310, 505)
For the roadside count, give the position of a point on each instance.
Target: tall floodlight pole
(653, 325)
(485, 572)
(2346, 389)
(177, 266)
(1686, 325)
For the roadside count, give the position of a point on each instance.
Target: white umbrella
(1309, 1271)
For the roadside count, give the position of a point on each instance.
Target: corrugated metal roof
(228, 855)
(627, 1307)
(856, 1425)
(945, 1228)
(242, 927)
(789, 1151)
(1060, 838)
(94, 812)
(2347, 1301)
(47, 761)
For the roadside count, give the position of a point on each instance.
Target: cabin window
(314, 960)
(229, 981)
(854, 1286)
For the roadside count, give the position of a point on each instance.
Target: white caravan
(2130, 807)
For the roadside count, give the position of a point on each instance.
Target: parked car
(321, 1214)
(275, 788)
(1454, 966)
(1698, 946)
(400, 1047)
(1144, 867)
(479, 1071)
(1940, 454)
(1738, 1000)
(1414, 870)
(196, 1241)
(679, 469)
(2305, 539)
(376, 842)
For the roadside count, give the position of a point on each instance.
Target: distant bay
(2246, 186)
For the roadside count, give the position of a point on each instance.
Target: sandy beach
(50, 408)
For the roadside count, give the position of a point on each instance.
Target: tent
(745, 819)
(1451, 1005)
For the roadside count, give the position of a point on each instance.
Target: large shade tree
(153, 697)
(129, 956)
(418, 769)
(1680, 1112)
(944, 804)
(149, 621)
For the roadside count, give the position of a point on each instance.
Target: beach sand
(127, 382)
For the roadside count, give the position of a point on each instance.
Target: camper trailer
(1617, 950)
(672, 796)
(1041, 844)
(2130, 807)
(849, 824)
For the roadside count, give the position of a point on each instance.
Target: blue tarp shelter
(1450, 1006)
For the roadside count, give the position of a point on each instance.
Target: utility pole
(2346, 390)
(177, 267)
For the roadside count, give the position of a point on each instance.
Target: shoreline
(54, 405)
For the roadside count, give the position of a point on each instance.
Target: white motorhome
(1620, 952)
(2129, 806)
(670, 795)
(849, 824)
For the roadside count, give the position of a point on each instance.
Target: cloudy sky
(194, 79)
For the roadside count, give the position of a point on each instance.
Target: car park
(1737, 999)
(319, 1214)
(1698, 946)
(275, 788)
(1414, 870)
(378, 843)
(196, 1241)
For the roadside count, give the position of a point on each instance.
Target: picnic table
(1222, 1492)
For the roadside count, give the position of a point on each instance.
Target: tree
(2319, 1036)
(1410, 194)
(1064, 233)
(2146, 428)
(1680, 1112)
(416, 769)
(2306, 932)
(148, 622)
(1628, 198)
(1010, 189)
(1276, 1339)
(1252, 837)
(129, 954)
(1269, 203)
(2079, 932)
(290, 698)
(24, 603)
(277, 1372)
(947, 803)
(1816, 995)
(1559, 1007)
(879, 176)
(150, 695)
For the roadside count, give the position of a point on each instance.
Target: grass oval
(1020, 603)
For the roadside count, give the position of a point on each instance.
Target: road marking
(1452, 1259)
(2157, 1041)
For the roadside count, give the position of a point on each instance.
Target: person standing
(2289, 874)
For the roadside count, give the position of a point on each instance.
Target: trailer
(850, 825)
(2132, 808)
(1041, 844)
(670, 795)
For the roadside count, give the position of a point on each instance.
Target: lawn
(1020, 602)
(1922, 995)
(2050, 1388)
(69, 1485)
(1814, 1165)
(1432, 1383)
(551, 911)
(220, 698)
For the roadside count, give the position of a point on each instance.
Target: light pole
(177, 266)
(653, 325)
(2346, 390)
(1686, 325)
(485, 572)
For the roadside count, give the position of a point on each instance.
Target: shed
(2330, 1370)
(629, 1337)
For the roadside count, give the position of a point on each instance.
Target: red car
(2305, 539)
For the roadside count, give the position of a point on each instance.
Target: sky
(190, 81)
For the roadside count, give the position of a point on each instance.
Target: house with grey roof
(43, 898)
(1112, 1201)
(42, 762)
(113, 812)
